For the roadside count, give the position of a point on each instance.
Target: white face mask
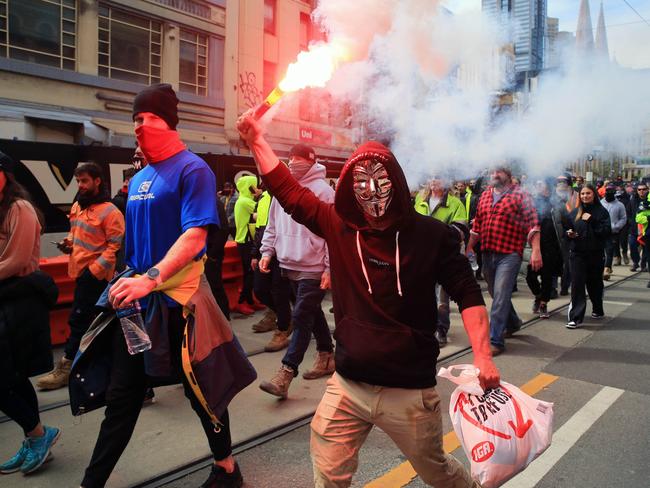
(372, 186)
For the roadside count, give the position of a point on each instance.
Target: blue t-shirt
(165, 199)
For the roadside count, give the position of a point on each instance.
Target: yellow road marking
(404, 473)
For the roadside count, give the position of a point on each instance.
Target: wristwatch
(154, 275)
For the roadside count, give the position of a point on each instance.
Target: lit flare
(313, 68)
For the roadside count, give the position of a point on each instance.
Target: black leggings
(20, 404)
(541, 291)
(124, 398)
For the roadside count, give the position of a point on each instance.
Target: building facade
(270, 35)
(69, 70)
(526, 21)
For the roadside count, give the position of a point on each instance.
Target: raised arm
(300, 202)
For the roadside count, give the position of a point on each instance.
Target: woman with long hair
(26, 294)
(587, 229)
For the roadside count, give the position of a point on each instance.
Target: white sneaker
(572, 325)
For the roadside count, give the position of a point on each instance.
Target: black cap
(304, 151)
(7, 164)
(159, 99)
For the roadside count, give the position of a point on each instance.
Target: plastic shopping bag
(502, 431)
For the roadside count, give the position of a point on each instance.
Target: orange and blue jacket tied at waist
(214, 361)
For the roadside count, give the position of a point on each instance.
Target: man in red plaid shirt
(505, 220)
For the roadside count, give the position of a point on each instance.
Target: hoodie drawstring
(399, 283)
(397, 264)
(363, 266)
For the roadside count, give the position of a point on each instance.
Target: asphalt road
(601, 402)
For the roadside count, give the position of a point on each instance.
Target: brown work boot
(57, 378)
(323, 366)
(279, 341)
(607, 273)
(267, 323)
(279, 384)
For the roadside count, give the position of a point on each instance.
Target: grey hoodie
(295, 246)
(617, 214)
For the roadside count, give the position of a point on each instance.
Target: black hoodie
(383, 282)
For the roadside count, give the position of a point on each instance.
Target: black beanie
(6, 163)
(159, 99)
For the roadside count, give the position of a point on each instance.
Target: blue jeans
(443, 310)
(635, 253)
(307, 317)
(500, 272)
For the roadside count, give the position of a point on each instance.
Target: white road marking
(566, 437)
(623, 304)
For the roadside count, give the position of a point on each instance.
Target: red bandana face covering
(157, 141)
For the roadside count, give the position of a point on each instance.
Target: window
(268, 82)
(193, 63)
(305, 31)
(39, 31)
(129, 46)
(269, 16)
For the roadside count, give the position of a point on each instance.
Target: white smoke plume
(428, 79)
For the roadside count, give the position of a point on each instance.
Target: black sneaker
(597, 315)
(554, 294)
(220, 479)
(564, 292)
(543, 311)
(635, 267)
(509, 332)
(536, 305)
(149, 397)
(441, 337)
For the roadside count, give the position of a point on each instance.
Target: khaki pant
(411, 418)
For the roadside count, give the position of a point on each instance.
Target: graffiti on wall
(248, 89)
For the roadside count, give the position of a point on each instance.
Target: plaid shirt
(505, 226)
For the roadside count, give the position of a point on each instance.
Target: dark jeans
(274, 291)
(542, 291)
(444, 321)
(586, 270)
(307, 317)
(638, 256)
(500, 272)
(612, 249)
(86, 293)
(124, 397)
(246, 294)
(20, 404)
(213, 271)
(622, 240)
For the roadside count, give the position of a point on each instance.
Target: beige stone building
(69, 70)
(270, 34)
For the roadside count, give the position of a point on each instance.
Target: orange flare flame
(313, 68)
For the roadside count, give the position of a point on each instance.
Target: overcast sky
(628, 35)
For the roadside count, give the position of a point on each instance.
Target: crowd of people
(394, 259)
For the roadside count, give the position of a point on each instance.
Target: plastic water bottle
(472, 261)
(130, 316)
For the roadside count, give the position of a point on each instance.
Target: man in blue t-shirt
(171, 203)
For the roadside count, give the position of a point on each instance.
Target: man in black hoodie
(385, 262)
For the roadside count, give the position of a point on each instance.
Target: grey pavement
(168, 434)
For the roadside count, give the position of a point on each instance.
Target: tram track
(180, 472)
(186, 469)
(64, 403)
